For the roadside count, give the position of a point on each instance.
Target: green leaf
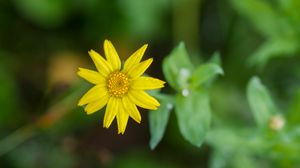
(205, 73)
(216, 58)
(177, 67)
(193, 115)
(158, 121)
(260, 102)
(274, 48)
(260, 13)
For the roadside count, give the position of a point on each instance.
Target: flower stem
(16, 138)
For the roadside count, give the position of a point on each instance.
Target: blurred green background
(43, 42)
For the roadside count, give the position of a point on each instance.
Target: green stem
(26, 132)
(16, 138)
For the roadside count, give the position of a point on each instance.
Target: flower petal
(96, 105)
(135, 58)
(95, 93)
(112, 109)
(139, 69)
(91, 76)
(143, 99)
(131, 109)
(112, 55)
(101, 64)
(122, 119)
(147, 83)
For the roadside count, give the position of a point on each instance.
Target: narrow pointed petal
(95, 93)
(101, 64)
(135, 58)
(112, 55)
(111, 111)
(143, 99)
(96, 105)
(122, 119)
(139, 69)
(91, 76)
(147, 83)
(131, 109)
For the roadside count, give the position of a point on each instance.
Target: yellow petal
(96, 105)
(147, 83)
(135, 58)
(91, 76)
(95, 93)
(143, 99)
(111, 111)
(139, 69)
(122, 119)
(131, 109)
(101, 64)
(112, 55)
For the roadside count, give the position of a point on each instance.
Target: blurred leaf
(158, 120)
(216, 58)
(150, 22)
(291, 12)
(193, 116)
(244, 160)
(293, 116)
(260, 102)
(220, 159)
(286, 149)
(218, 137)
(177, 67)
(9, 115)
(47, 13)
(260, 13)
(40, 154)
(274, 48)
(141, 159)
(205, 73)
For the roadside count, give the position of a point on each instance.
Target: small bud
(184, 73)
(276, 122)
(185, 92)
(169, 106)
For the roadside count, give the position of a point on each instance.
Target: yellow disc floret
(117, 84)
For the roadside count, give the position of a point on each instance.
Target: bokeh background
(43, 42)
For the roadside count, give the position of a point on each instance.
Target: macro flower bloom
(119, 87)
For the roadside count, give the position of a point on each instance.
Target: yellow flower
(121, 90)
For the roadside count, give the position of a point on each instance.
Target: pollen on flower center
(117, 84)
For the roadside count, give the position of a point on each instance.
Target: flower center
(117, 84)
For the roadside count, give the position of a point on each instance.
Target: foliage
(216, 111)
(278, 22)
(191, 100)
